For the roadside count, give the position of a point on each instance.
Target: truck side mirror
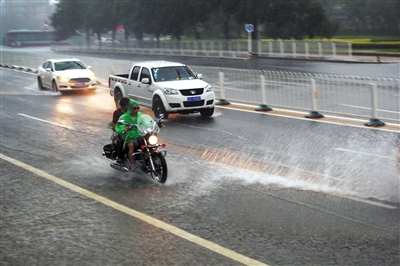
(145, 81)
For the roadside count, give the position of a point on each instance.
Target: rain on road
(274, 190)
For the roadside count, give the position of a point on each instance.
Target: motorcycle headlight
(153, 140)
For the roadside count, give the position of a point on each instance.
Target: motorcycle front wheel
(161, 171)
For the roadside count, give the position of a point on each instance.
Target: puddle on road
(206, 167)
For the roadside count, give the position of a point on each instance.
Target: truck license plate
(194, 99)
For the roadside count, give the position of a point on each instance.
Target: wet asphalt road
(264, 187)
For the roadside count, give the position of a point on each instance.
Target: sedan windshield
(172, 73)
(68, 65)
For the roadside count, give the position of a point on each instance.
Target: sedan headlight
(170, 91)
(208, 88)
(62, 78)
(153, 140)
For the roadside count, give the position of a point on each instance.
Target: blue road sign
(249, 27)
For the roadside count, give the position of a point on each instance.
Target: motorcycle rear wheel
(161, 170)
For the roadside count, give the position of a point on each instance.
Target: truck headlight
(208, 88)
(170, 91)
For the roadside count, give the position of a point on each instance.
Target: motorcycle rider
(122, 107)
(130, 137)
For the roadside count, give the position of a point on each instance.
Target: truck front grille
(192, 92)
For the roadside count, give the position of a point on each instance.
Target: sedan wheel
(40, 84)
(54, 87)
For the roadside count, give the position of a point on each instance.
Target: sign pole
(249, 28)
(249, 46)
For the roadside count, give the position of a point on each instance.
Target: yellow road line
(162, 225)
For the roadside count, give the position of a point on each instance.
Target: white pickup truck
(166, 87)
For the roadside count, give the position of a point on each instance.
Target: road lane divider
(366, 153)
(141, 216)
(45, 121)
(344, 121)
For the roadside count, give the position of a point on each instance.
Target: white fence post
(222, 101)
(294, 48)
(350, 49)
(374, 121)
(270, 48)
(320, 49)
(263, 106)
(307, 50)
(313, 113)
(334, 49)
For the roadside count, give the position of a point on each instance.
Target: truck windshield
(172, 73)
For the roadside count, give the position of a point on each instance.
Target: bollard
(313, 113)
(222, 101)
(263, 106)
(250, 56)
(374, 121)
(378, 59)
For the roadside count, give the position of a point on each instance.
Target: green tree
(229, 11)
(282, 18)
(100, 17)
(384, 16)
(251, 12)
(68, 18)
(298, 19)
(137, 17)
(315, 22)
(373, 16)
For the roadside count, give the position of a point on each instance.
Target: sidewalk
(355, 58)
(371, 59)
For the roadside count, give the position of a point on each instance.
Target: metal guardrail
(225, 49)
(352, 96)
(334, 94)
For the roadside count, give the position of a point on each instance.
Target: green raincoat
(132, 134)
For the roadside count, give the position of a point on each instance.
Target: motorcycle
(148, 153)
